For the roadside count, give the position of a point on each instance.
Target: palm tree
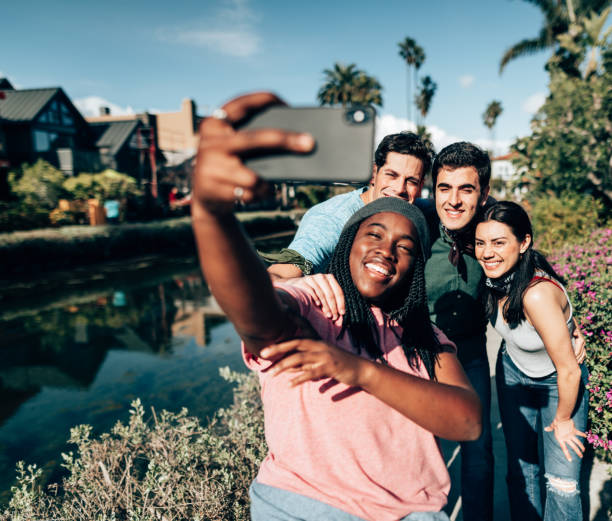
(425, 95)
(560, 17)
(489, 117)
(347, 85)
(414, 56)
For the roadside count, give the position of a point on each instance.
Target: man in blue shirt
(401, 162)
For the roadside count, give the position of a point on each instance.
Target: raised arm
(234, 273)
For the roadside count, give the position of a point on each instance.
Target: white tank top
(524, 345)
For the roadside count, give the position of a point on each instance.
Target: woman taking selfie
(541, 387)
(352, 413)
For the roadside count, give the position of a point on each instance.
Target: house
(502, 167)
(128, 146)
(504, 177)
(42, 123)
(175, 137)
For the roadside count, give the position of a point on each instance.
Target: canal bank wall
(28, 252)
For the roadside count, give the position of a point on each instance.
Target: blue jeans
(477, 456)
(526, 406)
(275, 504)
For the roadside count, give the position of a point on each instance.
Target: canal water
(79, 347)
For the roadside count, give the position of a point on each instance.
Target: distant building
(42, 123)
(502, 167)
(503, 175)
(175, 135)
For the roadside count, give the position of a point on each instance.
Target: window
(67, 119)
(44, 141)
(57, 114)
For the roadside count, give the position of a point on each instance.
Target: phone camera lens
(359, 116)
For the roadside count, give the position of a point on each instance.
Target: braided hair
(418, 339)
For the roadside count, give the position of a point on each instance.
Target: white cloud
(90, 107)
(499, 147)
(235, 43)
(231, 30)
(467, 80)
(389, 124)
(534, 102)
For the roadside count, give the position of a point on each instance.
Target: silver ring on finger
(238, 194)
(220, 114)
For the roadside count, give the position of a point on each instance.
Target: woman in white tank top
(540, 385)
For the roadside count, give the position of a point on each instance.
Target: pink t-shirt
(341, 445)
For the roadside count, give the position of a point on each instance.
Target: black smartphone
(344, 145)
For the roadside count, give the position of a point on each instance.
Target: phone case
(344, 145)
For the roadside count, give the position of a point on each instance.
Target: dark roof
(115, 135)
(5, 84)
(24, 105)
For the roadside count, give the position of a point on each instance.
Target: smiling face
(497, 248)
(382, 255)
(401, 176)
(458, 196)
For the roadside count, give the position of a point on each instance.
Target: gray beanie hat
(396, 205)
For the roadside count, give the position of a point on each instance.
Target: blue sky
(150, 55)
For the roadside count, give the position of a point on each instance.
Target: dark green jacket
(454, 295)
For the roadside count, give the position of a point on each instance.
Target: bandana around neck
(461, 242)
(501, 285)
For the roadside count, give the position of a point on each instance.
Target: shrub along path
(27, 252)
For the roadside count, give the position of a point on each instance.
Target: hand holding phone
(220, 177)
(343, 153)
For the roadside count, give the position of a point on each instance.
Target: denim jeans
(477, 456)
(526, 406)
(275, 504)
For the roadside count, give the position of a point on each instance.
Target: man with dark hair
(401, 162)
(461, 174)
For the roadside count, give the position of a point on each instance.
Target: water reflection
(83, 356)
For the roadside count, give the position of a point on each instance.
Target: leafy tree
(38, 185)
(571, 144)
(425, 95)
(570, 149)
(490, 115)
(560, 17)
(348, 85)
(414, 56)
(585, 37)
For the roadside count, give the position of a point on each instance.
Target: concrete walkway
(596, 483)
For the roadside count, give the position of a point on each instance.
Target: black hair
(515, 217)
(463, 154)
(403, 143)
(419, 341)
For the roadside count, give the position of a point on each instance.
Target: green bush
(559, 221)
(105, 185)
(165, 467)
(587, 269)
(17, 215)
(38, 185)
(28, 251)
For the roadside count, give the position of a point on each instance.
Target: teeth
(377, 268)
